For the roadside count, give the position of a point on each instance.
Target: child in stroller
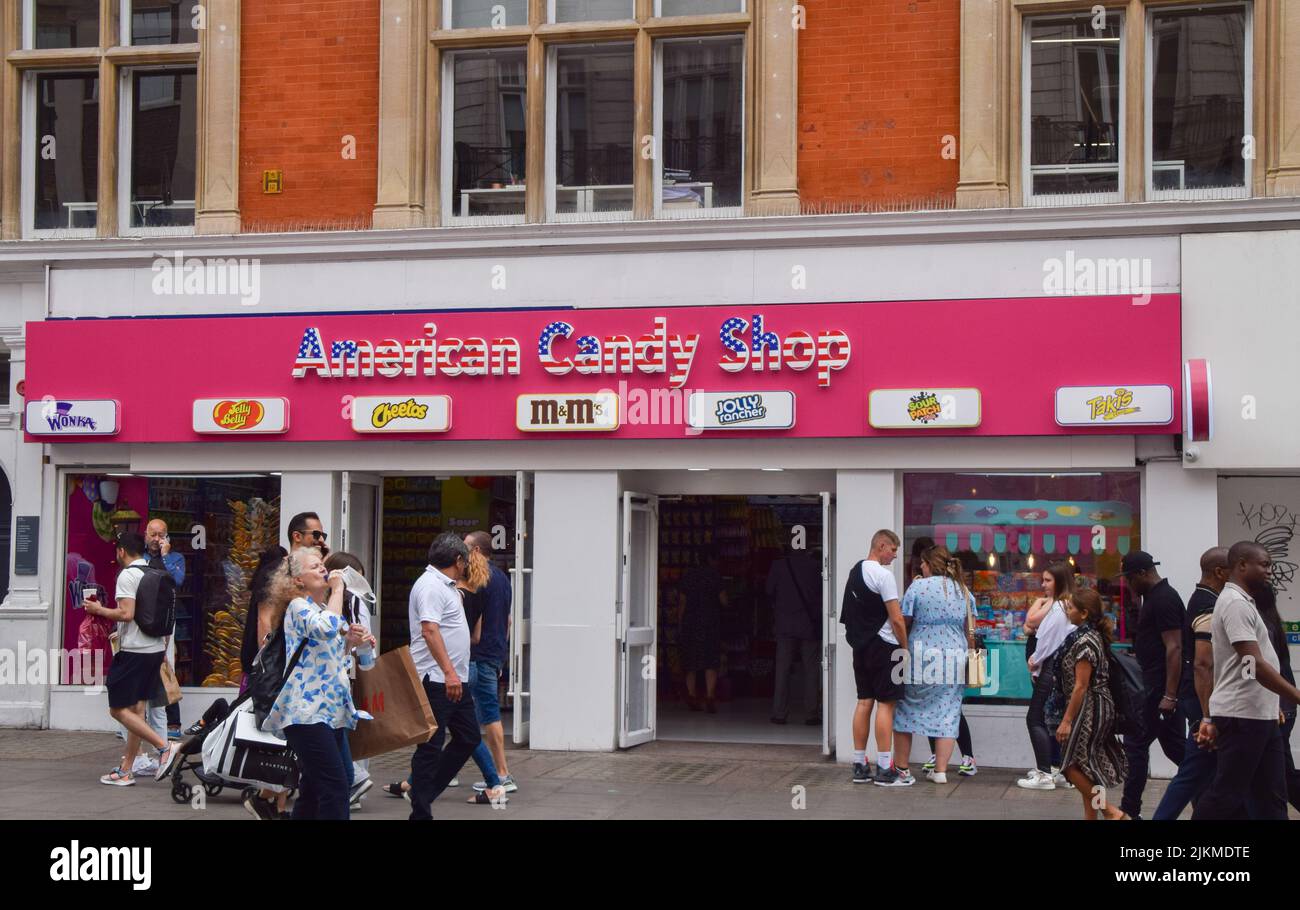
(193, 746)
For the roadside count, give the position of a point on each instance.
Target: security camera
(1191, 453)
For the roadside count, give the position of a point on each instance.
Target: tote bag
(392, 692)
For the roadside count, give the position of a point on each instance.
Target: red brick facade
(309, 76)
(879, 89)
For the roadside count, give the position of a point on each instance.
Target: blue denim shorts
(483, 678)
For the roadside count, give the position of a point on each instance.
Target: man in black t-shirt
(1158, 646)
(1197, 768)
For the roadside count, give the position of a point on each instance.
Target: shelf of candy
(254, 526)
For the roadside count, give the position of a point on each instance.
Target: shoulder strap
(293, 662)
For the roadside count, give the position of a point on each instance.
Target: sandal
(118, 778)
(481, 798)
(395, 789)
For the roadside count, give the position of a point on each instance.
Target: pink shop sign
(1016, 352)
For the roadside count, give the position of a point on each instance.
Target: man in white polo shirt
(1244, 724)
(440, 645)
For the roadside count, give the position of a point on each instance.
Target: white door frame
(520, 612)
(635, 638)
(830, 624)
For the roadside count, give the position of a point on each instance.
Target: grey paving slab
(55, 775)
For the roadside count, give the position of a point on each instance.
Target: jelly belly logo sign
(416, 414)
(236, 416)
(51, 417)
(919, 409)
(561, 349)
(741, 410)
(567, 413)
(1101, 406)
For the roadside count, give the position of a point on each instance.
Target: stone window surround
(216, 56)
(410, 100)
(991, 144)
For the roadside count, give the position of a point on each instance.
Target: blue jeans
(483, 684)
(1194, 773)
(323, 771)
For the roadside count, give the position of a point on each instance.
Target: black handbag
(269, 673)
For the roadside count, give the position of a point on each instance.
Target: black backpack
(1128, 693)
(859, 627)
(269, 673)
(155, 602)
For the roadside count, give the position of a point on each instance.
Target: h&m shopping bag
(392, 692)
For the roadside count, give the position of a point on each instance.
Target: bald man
(158, 550)
(1197, 767)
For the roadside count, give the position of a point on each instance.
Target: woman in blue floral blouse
(314, 710)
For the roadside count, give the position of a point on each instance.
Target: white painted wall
(575, 581)
(865, 502)
(1180, 509)
(310, 491)
(1241, 312)
(740, 273)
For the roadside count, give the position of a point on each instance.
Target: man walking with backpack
(874, 629)
(146, 609)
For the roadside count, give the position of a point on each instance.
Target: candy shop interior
(216, 524)
(415, 510)
(730, 545)
(1006, 529)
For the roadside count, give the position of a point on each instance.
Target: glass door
(637, 618)
(521, 616)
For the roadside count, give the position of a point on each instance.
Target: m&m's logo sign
(238, 415)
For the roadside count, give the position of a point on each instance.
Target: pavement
(52, 774)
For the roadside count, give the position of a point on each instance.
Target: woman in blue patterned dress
(935, 608)
(314, 710)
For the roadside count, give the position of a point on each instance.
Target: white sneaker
(938, 777)
(144, 764)
(1037, 780)
(1059, 779)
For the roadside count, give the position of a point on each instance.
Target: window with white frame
(698, 7)
(159, 148)
(484, 13)
(62, 150)
(583, 113)
(591, 122)
(485, 134)
(591, 10)
(1074, 109)
(156, 135)
(700, 110)
(161, 21)
(1199, 93)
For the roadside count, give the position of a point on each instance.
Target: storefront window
(1006, 529)
(216, 524)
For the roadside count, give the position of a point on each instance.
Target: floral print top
(318, 690)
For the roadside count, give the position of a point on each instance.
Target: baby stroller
(265, 761)
(182, 790)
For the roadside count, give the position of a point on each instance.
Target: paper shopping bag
(392, 692)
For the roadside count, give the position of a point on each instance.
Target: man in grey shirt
(1245, 722)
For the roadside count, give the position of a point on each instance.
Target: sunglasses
(319, 535)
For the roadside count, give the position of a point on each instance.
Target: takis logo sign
(740, 409)
(1118, 403)
(238, 415)
(923, 407)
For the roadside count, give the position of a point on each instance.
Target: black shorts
(873, 671)
(134, 677)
